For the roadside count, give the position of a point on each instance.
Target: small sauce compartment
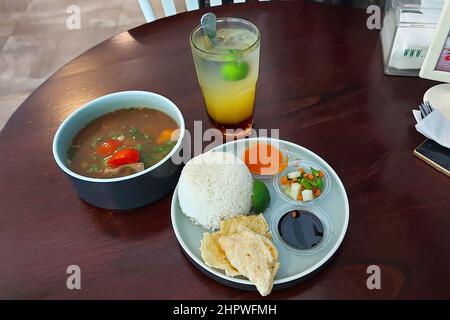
(284, 191)
(301, 229)
(264, 159)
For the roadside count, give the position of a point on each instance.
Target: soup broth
(122, 142)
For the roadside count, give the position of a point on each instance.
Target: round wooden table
(321, 82)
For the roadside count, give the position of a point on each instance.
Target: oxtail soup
(122, 142)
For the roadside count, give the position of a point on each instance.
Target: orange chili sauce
(264, 159)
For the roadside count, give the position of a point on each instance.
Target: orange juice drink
(227, 73)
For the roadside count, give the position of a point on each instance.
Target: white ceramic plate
(295, 265)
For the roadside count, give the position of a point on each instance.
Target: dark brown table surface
(321, 82)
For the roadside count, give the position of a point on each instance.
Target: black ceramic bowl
(131, 191)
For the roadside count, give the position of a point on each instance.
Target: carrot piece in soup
(284, 180)
(164, 136)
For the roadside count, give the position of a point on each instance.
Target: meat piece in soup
(122, 142)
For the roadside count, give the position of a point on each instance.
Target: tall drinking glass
(227, 74)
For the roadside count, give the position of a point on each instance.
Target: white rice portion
(215, 186)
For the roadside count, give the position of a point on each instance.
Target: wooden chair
(154, 8)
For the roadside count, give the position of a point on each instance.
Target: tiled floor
(35, 40)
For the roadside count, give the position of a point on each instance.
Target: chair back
(152, 9)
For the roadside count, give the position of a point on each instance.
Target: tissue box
(406, 34)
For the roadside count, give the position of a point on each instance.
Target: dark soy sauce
(300, 229)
